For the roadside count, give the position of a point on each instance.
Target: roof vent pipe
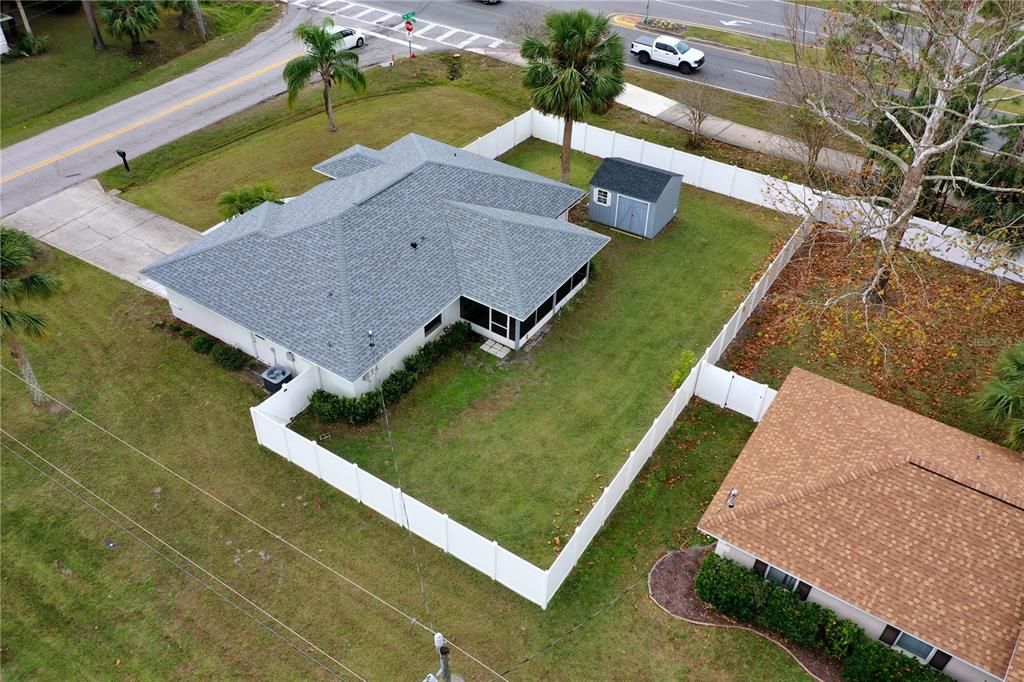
(731, 502)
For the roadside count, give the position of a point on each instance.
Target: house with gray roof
(398, 243)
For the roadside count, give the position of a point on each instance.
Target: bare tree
(525, 20)
(809, 131)
(702, 102)
(972, 46)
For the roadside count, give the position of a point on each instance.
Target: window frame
(432, 326)
(607, 196)
(787, 580)
(924, 659)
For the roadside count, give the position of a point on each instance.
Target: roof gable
(632, 179)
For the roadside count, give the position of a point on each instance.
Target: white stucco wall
(393, 360)
(265, 350)
(956, 668)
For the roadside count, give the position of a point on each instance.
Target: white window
(781, 578)
(914, 646)
(602, 197)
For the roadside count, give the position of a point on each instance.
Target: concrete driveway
(103, 230)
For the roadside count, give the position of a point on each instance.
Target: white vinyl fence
(705, 380)
(941, 241)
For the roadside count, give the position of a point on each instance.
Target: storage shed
(632, 197)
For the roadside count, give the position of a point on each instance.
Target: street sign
(409, 16)
(408, 26)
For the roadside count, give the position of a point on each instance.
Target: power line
(398, 476)
(412, 619)
(576, 627)
(177, 565)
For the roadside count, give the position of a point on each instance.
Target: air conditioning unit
(275, 377)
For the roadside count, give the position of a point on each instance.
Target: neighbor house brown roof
(908, 519)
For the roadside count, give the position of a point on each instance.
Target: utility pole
(24, 19)
(444, 674)
(199, 19)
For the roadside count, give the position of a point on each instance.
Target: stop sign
(408, 26)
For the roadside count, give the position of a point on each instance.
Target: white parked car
(350, 37)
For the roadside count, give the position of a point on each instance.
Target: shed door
(631, 215)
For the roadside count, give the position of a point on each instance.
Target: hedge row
(740, 593)
(328, 407)
(224, 355)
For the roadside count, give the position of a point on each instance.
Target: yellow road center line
(149, 119)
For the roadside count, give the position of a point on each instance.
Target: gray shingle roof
(316, 273)
(631, 178)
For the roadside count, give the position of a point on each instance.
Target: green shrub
(729, 590)
(398, 384)
(364, 409)
(326, 406)
(174, 327)
(684, 363)
(28, 45)
(838, 635)
(188, 333)
(870, 660)
(241, 199)
(427, 355)
(740, 593)
(203, 344)
(229, 357)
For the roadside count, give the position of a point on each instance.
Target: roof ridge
(954, 477)
(808, 491)
(503, 226)
(840, 479)
(258, 213)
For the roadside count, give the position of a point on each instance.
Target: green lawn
(74, 609)
(72, 80)
(483, 441)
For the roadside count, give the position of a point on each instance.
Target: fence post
(700, 171)
(732, 182)
(728, 389)
(494, 560)
(359, 488)
(446, 534)
(760, 404)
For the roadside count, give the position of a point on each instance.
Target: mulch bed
(671, 586)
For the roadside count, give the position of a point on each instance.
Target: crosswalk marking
(364, 13)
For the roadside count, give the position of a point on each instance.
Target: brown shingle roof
(911, 520)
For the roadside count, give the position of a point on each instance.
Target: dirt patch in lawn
(930, 350)
(670, 584)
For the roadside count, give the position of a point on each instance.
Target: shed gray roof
(316, 273)
(631, 178)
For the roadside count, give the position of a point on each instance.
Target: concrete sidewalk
(723, 130)
(103, 230)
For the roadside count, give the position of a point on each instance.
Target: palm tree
(1001, 400)
(576, 71)
(323, 57)
(20, 282)
(90, 18)
(238, 200)
(132, 19)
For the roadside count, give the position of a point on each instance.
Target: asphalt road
(68, 154)
(65, 155)
(45, 164)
